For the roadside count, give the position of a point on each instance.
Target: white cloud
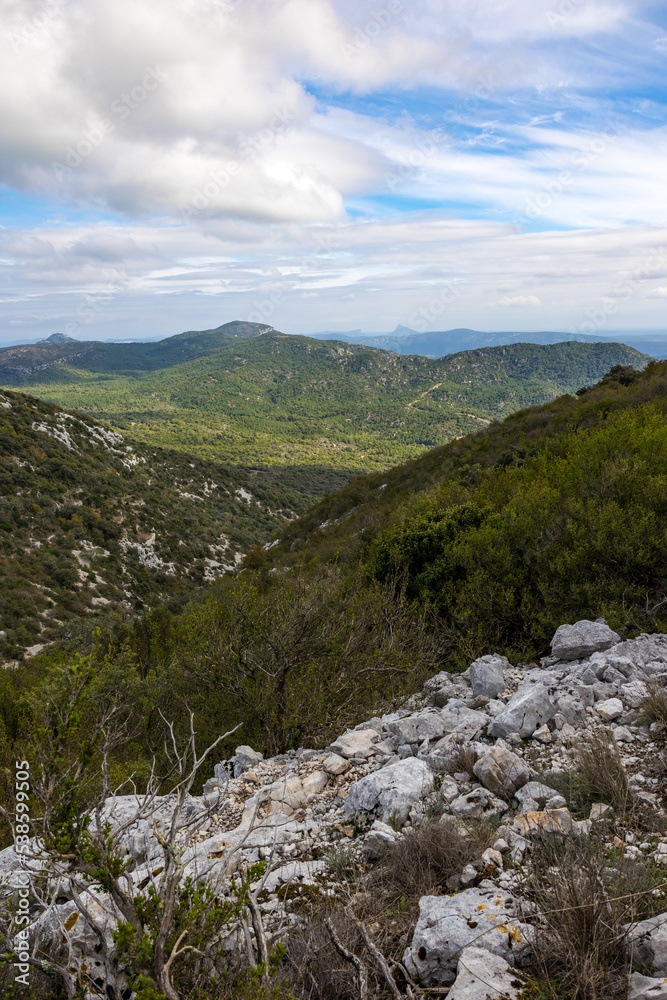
(519, 300)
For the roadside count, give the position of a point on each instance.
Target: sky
(169, 165)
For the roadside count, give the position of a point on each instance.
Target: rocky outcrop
(470, 747)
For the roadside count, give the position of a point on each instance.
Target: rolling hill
(249, 395)
(435, 344)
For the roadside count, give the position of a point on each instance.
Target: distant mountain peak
(57, 338)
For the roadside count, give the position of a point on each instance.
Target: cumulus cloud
(228, 158)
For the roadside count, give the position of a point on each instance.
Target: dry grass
(586, 897)
(463, 760)
(654, 705)
(601, 777)
(425, 859)
(386, 900)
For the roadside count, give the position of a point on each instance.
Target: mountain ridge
(246, 393)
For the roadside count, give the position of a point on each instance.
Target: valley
(247, 394)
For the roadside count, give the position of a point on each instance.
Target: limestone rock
(448, 924)
(610, 709)
(526, 711)
(501, 771)
(648, 943)
(644, 988)
(244, 758)
(358, 743)
(487, 676)
(418, 727)
(391, 792)
(482, 975)
(574, 642)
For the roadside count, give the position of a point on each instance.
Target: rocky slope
(494, 746)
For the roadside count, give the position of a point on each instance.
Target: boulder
(526, 711)
(556, 822)
(647, 941)
(610, 709)
(418, 727)
(480, 803)
(644, 988)
(481, 975)
(244, 758)
(501, 771)
(543, 796)
(358, 743)
(458, 718)
(448, 924)
(391, 792)
(573, 642)
(487, 676)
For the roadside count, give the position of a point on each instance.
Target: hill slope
(249, 394)
(559, 510)
(90, 519)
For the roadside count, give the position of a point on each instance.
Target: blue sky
(322, 164)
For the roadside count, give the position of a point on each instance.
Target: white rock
(391, 792)
(501, 771)
(573, 642)
(358, 743)
(609, 709)
(482, 975)
(546, 797)
(526, 711)
(487, 675)
(644, 988)
(448, 924)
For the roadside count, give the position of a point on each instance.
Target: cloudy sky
(331, 164)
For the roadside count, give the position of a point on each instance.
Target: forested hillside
(248, 395)
(91, 520)
(484, 545)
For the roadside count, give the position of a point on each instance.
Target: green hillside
(485, 545)
(558, 511)
(91, 520)
(250, 395)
